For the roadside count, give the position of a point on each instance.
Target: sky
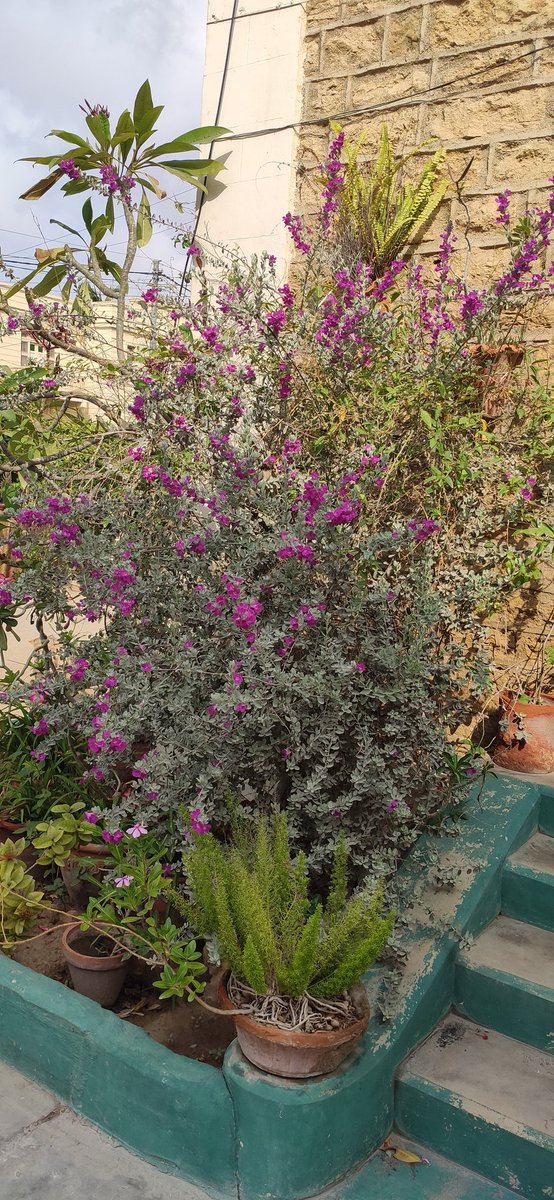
(56, 53)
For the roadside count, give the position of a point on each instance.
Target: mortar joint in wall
(425, 14)
(385, 41)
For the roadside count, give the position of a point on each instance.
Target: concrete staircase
(480, 1089)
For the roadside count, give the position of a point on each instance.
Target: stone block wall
(477, 76)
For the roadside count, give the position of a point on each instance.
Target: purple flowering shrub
(248, 638)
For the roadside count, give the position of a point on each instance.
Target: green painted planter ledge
(239, 1132)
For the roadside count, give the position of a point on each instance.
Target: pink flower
(123, 880)
(136, 831)
(91, 817)
(212, 710)
(360, 666)
(146, 667)
(241, 708)
(196, 824)
(111, 838)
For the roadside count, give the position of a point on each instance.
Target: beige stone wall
(476, 74)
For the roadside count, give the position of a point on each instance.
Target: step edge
(519, 982)
(512, 867)
(458, 1103)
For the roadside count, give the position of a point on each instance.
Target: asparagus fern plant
(252, 898)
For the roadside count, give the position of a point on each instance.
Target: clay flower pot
(527, 744)
(98, 976)
(293, 1055)
(90, 859)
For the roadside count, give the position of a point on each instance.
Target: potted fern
(294, 962)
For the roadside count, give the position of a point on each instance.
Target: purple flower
(109, 837)
(471, 305)
(12, 324)
(503, 207)
(167, 870)
(146, 668)
(123, 880)
(40, 728)
(344, 514)
(110, 681)
(136, 831)
(241, 708)
(276, 321)
(91, 817)
(244, 615)
(392, 805)
(196, 824)
(361, 667)
(67, 165)
(212, 710)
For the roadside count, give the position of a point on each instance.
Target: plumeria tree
(116, 168)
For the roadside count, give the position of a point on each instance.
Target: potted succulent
(294, 962)
(525, 740)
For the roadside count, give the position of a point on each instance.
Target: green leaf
(426, 418)
(39, 189)
(124, 134)
(110, 213)
(52, 278)
(74, 186)
(87, 213)
(180, 145)
(100, 128)
(145, 128)
(143, 102)
(144, 223)
(193, 166)
(21, 283)
(207, 133)
(73, 138)
(68, 228)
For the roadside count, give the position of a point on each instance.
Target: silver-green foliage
(252, 897)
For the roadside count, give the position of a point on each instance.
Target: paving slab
(22, 1102)
(48, 1153)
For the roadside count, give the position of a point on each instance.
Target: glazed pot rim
(84, 961)
(325, 1038)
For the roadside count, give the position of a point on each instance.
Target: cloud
(56, 53)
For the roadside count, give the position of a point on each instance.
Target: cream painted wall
(263, 89)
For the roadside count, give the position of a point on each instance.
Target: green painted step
(528, 882)
(506, 981)
(383, 1178)
(546, 812)
(484, 1100)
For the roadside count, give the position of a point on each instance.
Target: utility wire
(186, 273)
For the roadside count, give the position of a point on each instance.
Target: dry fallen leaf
(406, 1156)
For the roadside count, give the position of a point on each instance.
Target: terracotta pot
(99, 978)
(297, 1055)
(527, 744)
(90, 859)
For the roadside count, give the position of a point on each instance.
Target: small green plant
(31, 781)
(19, 899)
(379, 212)
(252, 897)
(60, 834)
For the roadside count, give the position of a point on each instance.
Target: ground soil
(184, 1028)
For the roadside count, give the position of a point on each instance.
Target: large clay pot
(90, 859)
(297, 1055)
(99, 977)
(527, 743)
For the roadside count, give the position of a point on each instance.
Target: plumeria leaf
(74, 138)
(143, 102)
(51, 280)
(209, 133)
(144, 223)
(39, 189)
(99, 126)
